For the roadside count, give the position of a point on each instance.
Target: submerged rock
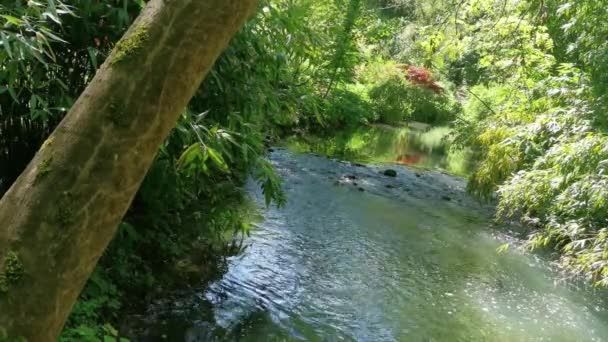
(390, 173)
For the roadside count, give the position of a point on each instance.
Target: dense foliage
(532, 78)
(522, 83)
(190, 206)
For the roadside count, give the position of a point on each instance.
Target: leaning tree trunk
(60, 215)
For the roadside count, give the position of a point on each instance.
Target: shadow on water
(359, 256)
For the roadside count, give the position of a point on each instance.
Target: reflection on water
(409, 258)
(420, 146)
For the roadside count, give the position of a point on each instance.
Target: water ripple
(394, 262)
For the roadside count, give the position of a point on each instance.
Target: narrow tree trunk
(60, 215)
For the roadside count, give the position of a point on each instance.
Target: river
(356, 255)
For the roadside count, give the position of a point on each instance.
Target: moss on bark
(44, 168)
(131, 45)
(65, 211)
(12, 271)
(47, 143)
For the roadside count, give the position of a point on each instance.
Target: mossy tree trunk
(60, 215)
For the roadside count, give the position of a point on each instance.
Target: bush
(396, 100)
(347, 109)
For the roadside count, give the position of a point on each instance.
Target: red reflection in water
(410, 159)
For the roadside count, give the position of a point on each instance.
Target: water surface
(417, 145)
(359, 256)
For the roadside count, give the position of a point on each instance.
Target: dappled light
(303, 170)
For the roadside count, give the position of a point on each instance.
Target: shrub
(396, 100)
(346, 109)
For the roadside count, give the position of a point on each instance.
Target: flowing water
(359, 256)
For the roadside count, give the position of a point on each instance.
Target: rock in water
(390, 173)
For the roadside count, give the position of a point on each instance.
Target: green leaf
(109, 329)
(12, 20)
(503, 248)
(52, 16)
(217, 79)
(11, 91)
(93, 56)
(129, 230)
(33, 102)
(188, 155)
(217, 159)
(6, 44)
(62, 84)
(51, 35)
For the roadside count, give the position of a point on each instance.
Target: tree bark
(61, 213)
